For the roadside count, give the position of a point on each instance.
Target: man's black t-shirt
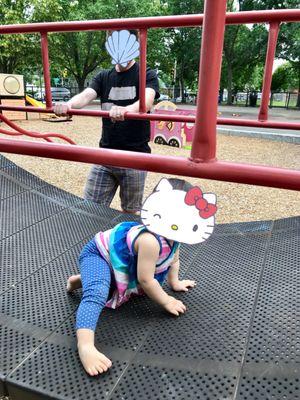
(122, 89)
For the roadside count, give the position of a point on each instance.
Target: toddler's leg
(96, 280)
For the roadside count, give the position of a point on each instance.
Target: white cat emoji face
(186, 217)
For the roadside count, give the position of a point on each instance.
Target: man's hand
(182, 286)
(61, 109)
(117, 113)
(174, 306)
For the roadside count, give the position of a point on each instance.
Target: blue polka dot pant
(96, 281)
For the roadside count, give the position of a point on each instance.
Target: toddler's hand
(175, 306)
(182, 286)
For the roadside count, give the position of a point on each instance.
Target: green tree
(288, 46)
(13, 48)
(285, 78)
(21, 53)
(184, 44)
(244, 53)
(81, 53)
(289, 50)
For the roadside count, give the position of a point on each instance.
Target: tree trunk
(181, 82)
(229, 83)
(183, 100)
(298, 97)
(80, 82)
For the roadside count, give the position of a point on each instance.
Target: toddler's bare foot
(92, 360)
(74, 282)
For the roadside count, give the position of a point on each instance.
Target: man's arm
(117, 113)
(80, 100)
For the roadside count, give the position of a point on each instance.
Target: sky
(277, 63)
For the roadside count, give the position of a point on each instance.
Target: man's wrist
(130, 108)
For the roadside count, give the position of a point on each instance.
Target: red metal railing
(202, 162)
(17, 131)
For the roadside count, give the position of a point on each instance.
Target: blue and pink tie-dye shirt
(117, 248)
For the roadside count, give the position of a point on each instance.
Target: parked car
(58, 93)
(163, 97)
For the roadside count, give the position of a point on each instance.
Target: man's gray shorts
(102, 184)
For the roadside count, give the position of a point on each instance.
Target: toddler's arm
(173, 278)
(148, 252)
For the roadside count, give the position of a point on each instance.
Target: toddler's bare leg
(73, 283)
(92, 360)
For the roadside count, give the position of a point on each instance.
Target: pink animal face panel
(163, 132)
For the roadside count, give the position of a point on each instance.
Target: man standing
(118, 89)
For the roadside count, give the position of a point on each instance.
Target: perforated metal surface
(25, 209)
(49, 370)
(9, 188)
(154, 382)
(220, 309)
(34, 247)
(272, 363)
(4, 162)
(21, 176)
(59, 196)
(239, 339)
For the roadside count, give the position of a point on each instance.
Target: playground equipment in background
(50, 117)
(175, 134)
(171, 133)
(33, 102)
(36, 103)
(11, 85)
(12, 94)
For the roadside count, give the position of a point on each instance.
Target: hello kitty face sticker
(186, 217)
(123, 47)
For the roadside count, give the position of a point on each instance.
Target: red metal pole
(272, 41)
(223, 171)
(245, 17)
(45, 58)
(204, 141)
(143, 66)
(165, 117)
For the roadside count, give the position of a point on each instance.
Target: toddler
(134, 259)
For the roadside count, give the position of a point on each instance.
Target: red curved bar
(20, 131)
(10, 133)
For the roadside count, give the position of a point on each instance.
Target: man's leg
(101, 185)
(132, 183)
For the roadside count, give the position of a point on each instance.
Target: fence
(202, 161)
(289, 100)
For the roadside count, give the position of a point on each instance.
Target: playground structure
(12, 93)
(174, 134)
(240, 339)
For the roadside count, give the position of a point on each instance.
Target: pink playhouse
(172, 133)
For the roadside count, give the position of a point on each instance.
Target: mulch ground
(236, 202)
